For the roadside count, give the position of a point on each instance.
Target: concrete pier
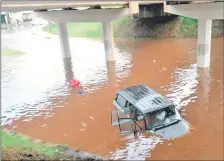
(108, 41)
(111, 73)
(204, 43)
(64, 41)
(69, 75)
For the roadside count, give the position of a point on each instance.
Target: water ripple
(182, 90)
(136, 149)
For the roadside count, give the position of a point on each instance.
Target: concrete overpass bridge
(61, 12)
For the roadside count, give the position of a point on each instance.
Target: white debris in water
(44, 125)
(154, 61)
(92, 118)
(26, 120)
(84, 124)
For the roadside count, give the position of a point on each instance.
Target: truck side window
(129, 104)
(121, 101)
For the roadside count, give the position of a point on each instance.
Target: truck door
(125, 123)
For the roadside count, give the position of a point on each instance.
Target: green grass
(83, 29)
(8, 51)
(18, 147)
(79, 29)
(20, 142)
(188, 26)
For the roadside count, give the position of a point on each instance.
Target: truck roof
(144, 98)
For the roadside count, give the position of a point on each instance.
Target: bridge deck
(11, 6)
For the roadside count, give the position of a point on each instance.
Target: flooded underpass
(37, 102)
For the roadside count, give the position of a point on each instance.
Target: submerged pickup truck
(139, 108)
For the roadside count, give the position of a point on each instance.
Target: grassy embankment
(184, 27)
(18, 147)
(10, 52)
(15, 147)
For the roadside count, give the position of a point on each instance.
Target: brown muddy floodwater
(83, 122)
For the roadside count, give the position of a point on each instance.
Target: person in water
(80, 90)
(76, 84)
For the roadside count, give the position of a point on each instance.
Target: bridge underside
(106, 16)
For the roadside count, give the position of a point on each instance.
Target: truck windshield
(161, 118)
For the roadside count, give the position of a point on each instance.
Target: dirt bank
(23, 154)
(164, 27)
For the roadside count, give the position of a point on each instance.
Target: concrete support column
(204, 87)
(64, 41)
(111, 73)
(204, 43)
(108, 41)
(67, 63)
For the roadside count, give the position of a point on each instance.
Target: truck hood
(174, 131)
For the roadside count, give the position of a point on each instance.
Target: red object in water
(74, 83)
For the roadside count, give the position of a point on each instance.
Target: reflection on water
(34, 84)
(204, 83)
(67, 62)
(111, 73)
